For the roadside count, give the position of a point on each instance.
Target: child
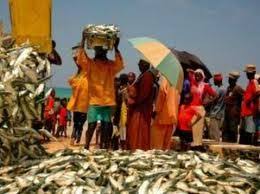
(188, 116)
(62, 119)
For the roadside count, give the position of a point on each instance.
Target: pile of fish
(104, 29)
(101, 35)
(100, 171)
(23, 73)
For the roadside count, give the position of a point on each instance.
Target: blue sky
(225, 34)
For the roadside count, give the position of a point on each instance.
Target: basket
(106, 41)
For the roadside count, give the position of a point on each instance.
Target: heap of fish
(104, 29)
(100, 171)
(23, 73)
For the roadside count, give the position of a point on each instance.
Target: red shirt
(48, 110)
(63, 117)
(186, 113)
(199, 92)
(248, 108)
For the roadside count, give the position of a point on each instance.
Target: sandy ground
(64, 143)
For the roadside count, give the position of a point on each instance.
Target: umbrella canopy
(161, 58)
(191, 61)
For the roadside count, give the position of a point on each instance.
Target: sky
(224, 34)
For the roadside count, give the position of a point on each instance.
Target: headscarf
(200, 84)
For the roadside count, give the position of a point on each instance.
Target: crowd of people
(143, 112)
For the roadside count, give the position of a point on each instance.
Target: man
(217, 111)
(102, 72)
(140, 107)
(166, 116)
(248, 108)
(233, 99)
(131, 78)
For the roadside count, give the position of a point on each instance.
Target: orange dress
(166, 107)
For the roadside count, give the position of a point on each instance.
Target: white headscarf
(201, 84)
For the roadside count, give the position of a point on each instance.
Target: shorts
(99, 113)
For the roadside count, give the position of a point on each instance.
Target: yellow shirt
(101, 78)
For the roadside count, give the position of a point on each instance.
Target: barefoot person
(102, 72)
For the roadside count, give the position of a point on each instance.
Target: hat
(250, 68)
(234, 75)
(217, 77)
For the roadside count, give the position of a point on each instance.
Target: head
(100, 53)
(232, 81)
(218, 79)
(123, 79)
(53, 93)
(143, 66)
(53, 43)
(250, 75)
(250, 70)
(187, 99)
(199, 75)
(63, 102)
(131, 77)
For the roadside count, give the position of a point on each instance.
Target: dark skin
(143, 66)
(232, 82)
(217, 83)
(131, 78)
(54, 57)
(250, 76)
(100, 53)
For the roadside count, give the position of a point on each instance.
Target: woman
(78, 103)
(166, 113)
(199, 90)
(140, 107)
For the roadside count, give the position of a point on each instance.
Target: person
(140, 107)
(102, 72)
(248, 107)
(54, 56)
(257, 118)
(123, 112)
(232, 100)
(166, 115)
(199, 90)
(56, 108)
(188, 79)
(217, 110)
(131, 78)
(49, 111)
(187, 117)
(62, 119)
(79, 100)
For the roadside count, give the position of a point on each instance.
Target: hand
(116, 44)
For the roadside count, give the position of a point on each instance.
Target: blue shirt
(218, 109)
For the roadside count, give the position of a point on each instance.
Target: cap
(250, 68)
(234, 75)
(217, 76)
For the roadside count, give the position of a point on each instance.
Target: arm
(161, 96)
(211, 92)
(119, 64)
